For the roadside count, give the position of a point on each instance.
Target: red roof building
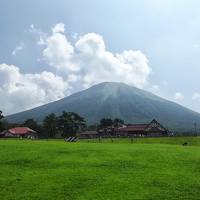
(23, 132)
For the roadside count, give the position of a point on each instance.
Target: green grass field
(154, 168)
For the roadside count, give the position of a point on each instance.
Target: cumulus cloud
(59, 28)
(23, 91)
(18, 48)
(59, 52)
(71, 67)
(91, 62)
(178, 96)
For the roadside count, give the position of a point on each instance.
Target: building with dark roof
(88, 135)
(152, 129)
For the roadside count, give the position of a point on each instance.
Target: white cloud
(41, 41)
(75, 36)
(89, 59)
(73, 67)
(23, 91)
(91, 43)
(59, 28)
(32, 29)
(18, 48)
(40, 34)
(178, 96)
(58, 52)
(196, 96)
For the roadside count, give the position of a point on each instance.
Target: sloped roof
(89, 133)
(142, 127)
(21, 130)
(134, 127)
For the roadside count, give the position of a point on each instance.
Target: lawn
(159, 168)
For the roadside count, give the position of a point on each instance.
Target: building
(88, 135)
(22, 132)
(152, 129)
(2, 134)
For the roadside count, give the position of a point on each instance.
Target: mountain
(111, 99)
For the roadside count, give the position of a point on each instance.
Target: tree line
(65, 125)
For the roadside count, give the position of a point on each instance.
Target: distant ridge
(112, 99)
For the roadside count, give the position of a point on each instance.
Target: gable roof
(141, 127)
(21, 130)
(89, 133)
(158, 124)
(134, 127)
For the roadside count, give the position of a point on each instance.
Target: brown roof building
(153, 129)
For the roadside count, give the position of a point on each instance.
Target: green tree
(50, 125)
(106, 122)
(1, 121)
(70, 123)
(31, 123)
(118, 122)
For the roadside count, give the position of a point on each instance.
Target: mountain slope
(116, 100)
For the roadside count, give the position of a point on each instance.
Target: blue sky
(151, 44)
